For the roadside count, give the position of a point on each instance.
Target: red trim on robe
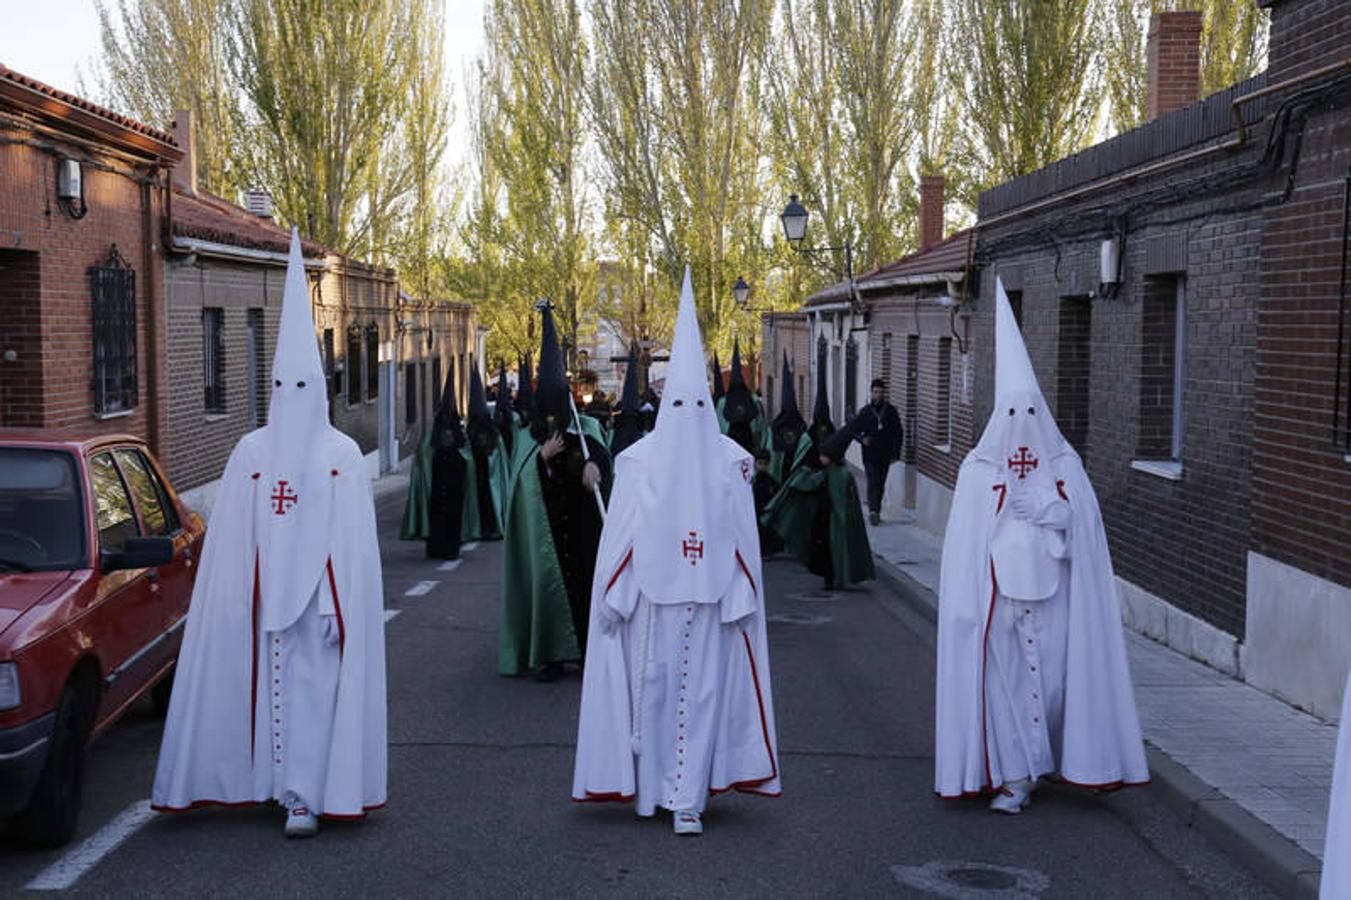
(337, 607)
(760, 700)
(628, 558)
(741, 562)
(1003, 492)
(241, 804)
(253, 687)
(612, 797)
(1060, 489)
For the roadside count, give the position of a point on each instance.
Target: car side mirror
(140, 553)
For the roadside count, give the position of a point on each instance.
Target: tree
(1030, 84)
(675, 102)
(160, 56)
(1233, 47)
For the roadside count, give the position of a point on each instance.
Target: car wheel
(54, 809)
(161, 692)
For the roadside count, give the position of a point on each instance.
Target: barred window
(409, 393)
(330, 364)
(943, 425)
(1163, 368)
(437, 384)
(354, 359)
(213, 359)
(113, 289)
(259, 392)
(372, 361)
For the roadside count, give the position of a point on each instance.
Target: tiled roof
(32, 84)
(207, 217)
(948, 255)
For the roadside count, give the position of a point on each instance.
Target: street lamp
(741, 292)
(794, 220)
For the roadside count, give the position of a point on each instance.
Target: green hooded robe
(793, 515)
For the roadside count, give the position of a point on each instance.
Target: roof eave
(54, 111)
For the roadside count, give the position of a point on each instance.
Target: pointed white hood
(293, 512)
(1021, 416)
(686, 550)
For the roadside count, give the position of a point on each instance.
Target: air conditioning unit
(68, 180)
(258, 202)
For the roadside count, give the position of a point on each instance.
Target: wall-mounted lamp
(70, 188)
(1109, 266)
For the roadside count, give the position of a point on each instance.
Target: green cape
(778, 459)
(471, 529)
(536, 619)
(793, 510)
(417, 523)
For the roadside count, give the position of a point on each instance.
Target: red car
(97, 560)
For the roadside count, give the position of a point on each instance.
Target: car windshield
(40, 522)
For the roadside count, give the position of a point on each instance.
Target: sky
(57, 41)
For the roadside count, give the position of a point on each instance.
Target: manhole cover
(815, 597)
(797, 619)
(947, 878)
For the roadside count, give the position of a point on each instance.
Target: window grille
(213, 359)
(943, 429)
(354, 359)
(113, 294)
(409, 393)
(1341, 409)
(259, 392)
(372, 361)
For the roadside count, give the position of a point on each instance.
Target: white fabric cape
(1102, 743)
(1337, 846)
(215, 750)
(745, 753)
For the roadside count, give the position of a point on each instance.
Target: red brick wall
(1174, 61)
(913, 332)
(31, 220)
(1307, 35)
(20, 333)
(1301, 472)
(1074, 369)
(790, 333)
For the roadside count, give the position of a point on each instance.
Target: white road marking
(449, 565)
(472, 545)
(391, 613)
(421, 588)
(63, 873)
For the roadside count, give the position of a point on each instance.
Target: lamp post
(794, 218)
(741, 292)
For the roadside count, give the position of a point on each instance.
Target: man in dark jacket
(878, 428)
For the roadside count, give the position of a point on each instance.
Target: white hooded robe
(279, 692)
(676, 698)
(1033, 677)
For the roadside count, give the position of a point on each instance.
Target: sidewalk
(1250, 770)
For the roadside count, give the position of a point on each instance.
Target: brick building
(788, 333)
(1297, 641)
(82, 194)
(384, 354)
(920, 346)
(1177, 289)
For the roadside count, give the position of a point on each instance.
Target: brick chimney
(185, 171)
(931, 189)
(1174, 60)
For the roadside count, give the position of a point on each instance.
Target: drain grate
(973, 880)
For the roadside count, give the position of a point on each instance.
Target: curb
(1280, 863)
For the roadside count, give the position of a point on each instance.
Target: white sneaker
(1013, 797)
(301, 823)
(687, 822)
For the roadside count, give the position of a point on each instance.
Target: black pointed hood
(836, 445)
(502, 411)
(822, 426)
(717, 379)
(738, 407)
(447, 429)
(788, 424)
(738, 377)
(482, 429)
(629, 420)
(525, 393)
(551, 384)
(629, 400)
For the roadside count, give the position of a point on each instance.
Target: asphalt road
(481, 766)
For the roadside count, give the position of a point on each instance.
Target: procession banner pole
(586, 454)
